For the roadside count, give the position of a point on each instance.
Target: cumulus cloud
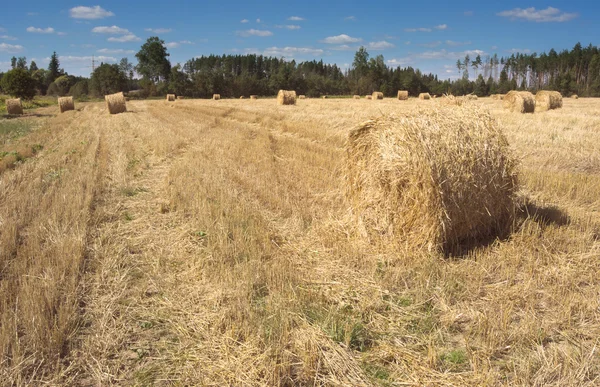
(253, 32)
(296, 18)
(124, 39)
(292, 52)
(549, 14)
(340, 39)
(289, 26)
(177, 44)
(243, 21)
(10, 48)
(434, 55)
(48, 30)
(519, 51)
(7, 37)
(422, 29)
(441, 27)
(114, 30)
(79, 59)
(89, 13)
(381, 45)
(343, 47)
(158, 30)
(115, 51)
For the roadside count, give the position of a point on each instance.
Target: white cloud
(292, 52)
(344, 47)
(61, 33)
(296, 18)
(79, 59)
(549, 14)
(350, 18)
(441, 27)
(434, 55)
(177, 44)
(115, 51)
(258, 21)
(243, 21)
(10, 48)
(89, 13)
(519, 51)
(340, 39)
(382, 45)
(494, 47)
(48, 30)
(289, 26)
(431, 44)
(455, 44)
(7, 37)
(253, 32)
(125, 38)
(114, 30)
(158, 30)
(422, 29)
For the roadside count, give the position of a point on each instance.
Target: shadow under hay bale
(14, 106)
(66, 104)
(548, 100)
(286, 97)
(519, 101)
(402, 95)
(436, 179)
(115, 103)
(377, 95)
(544, 215)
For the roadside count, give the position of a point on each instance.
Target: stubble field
(205, 242)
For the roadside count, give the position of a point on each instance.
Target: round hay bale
(434, 178)
(115, 103)
(14, 106)
(548, 100)
(286, 97)
(241, 97)
(377, 95)
(575, 96)
(180, 97)
(324, 97)
(65, 104)
(356, 96)
(368, 97)
(424, 96)
(302, 97)
(171, 97)
(254, 97)
(519, 101)
(216, 97)
(403, 95)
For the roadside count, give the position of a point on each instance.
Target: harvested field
(212, 244)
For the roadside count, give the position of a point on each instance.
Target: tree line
(575, 71)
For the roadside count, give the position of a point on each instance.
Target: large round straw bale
(548, 100)
(575, 96)
(171, 97)
(402, 95)
(424, 96)
(286, 97)
(65, 104)
(434, 178)
(519, 101)
(254, 97)
(368, 97)
(115, 103)
(356, 97)
(377, 95)
(14, 106)
(216, 97)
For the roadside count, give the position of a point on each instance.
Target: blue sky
(430, 35)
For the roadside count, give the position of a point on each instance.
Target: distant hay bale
(286, 97)
(434, 96)
(356, 97)
(65, 104)
(377, 95)
(301, 96)
(402, 95)
(434, 178)
(548, 100)
(575, 96)
(471, 97)
(519, 101)
(254, 97)
(368, 97)
(115, 103)
(171, 97)
(449, 99)
(424, 96)
(180, 97)
(216, 97)
(14, 106)
(324, 97)
(241, 97)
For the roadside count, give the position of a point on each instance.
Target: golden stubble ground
(204, 242)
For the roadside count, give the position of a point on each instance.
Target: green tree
(80, 89)
(153, 62)
(22, 63)
(18, 83)
(107, 79)
(54, 70)
(33, 67)
(60, 87)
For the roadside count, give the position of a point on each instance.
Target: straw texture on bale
(14, 106)
(65, 104)
(216, 97)
(575, 96)
(171, 97)
(548, 100)
(424, 96)
(368, 97)
(519, 101)
(434, 179)
(254, 97)
(377, 95)
(402, 95)
(356, 96)
(286, 97)
(115, 103)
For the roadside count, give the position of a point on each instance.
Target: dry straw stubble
(402, 95)
(115, 103)
(14, 106)
(286, 97)
(432, 179)
(66, 104)
(548, 100)
(519, 101)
